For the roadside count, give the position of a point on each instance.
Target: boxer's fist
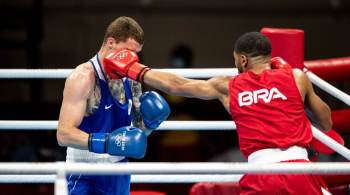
(124, 63)
(279, 63)
(321, 147)
(154, 109)
(125, 141)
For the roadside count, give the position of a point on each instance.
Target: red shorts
(281, 184)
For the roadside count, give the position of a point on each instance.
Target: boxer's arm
(76, 92)
(173, 84)
(318, 107)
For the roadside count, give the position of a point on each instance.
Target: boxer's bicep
(207, 90)
(199, 89)
(177, 85)
(72, 110)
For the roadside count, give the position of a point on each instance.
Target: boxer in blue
(106, 119)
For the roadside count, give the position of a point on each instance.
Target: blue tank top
(111, 114)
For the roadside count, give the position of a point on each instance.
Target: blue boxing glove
(154, 109)
(125, 141)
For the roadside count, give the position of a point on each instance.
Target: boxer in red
(267, 104)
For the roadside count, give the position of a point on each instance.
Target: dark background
(62, 34)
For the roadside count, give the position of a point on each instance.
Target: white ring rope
(175, 168)
(186, 72)
(177, 125)
(340, 149)
(63, 73)
(166, 125)
(134, 178)
(330, 89)
(34, 73)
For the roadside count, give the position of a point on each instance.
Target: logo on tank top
(108, 107)
(247, 98)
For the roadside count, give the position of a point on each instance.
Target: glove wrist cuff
(152, 125)
(136, 71)
(142, 74)
(97, 142)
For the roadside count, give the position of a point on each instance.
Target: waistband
(77, 155)
(274, 155)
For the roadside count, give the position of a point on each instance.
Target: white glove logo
(121, 55)
(120, 140)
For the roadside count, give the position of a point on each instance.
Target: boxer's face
(130, 44)
(241, 61)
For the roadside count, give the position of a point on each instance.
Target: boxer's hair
(253, 44)
(123, 28)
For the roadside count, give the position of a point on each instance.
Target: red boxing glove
(321, 147)
(279, 63)
(124, 63)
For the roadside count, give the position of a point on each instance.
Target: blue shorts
(96, 184)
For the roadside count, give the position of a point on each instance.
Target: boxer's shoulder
(298, 73)
(302, 82)
(300, 77)
(82, 77)
(83, 72)
(221, 83)
(225, 78)
(220, 79)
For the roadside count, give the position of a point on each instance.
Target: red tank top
(268, 111)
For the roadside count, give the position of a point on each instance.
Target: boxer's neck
(260, 68)
(259, 64)
(101, 54)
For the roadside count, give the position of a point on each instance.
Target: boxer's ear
(110, 43)
(244, 61)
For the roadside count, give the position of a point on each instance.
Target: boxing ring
(55, 172)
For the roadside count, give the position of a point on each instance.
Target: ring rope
(340, 149)
(175, 168)
(166, 125)
(330, 89)
(186, 72)
(177, 125)
(63, 73)
(134, 178)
